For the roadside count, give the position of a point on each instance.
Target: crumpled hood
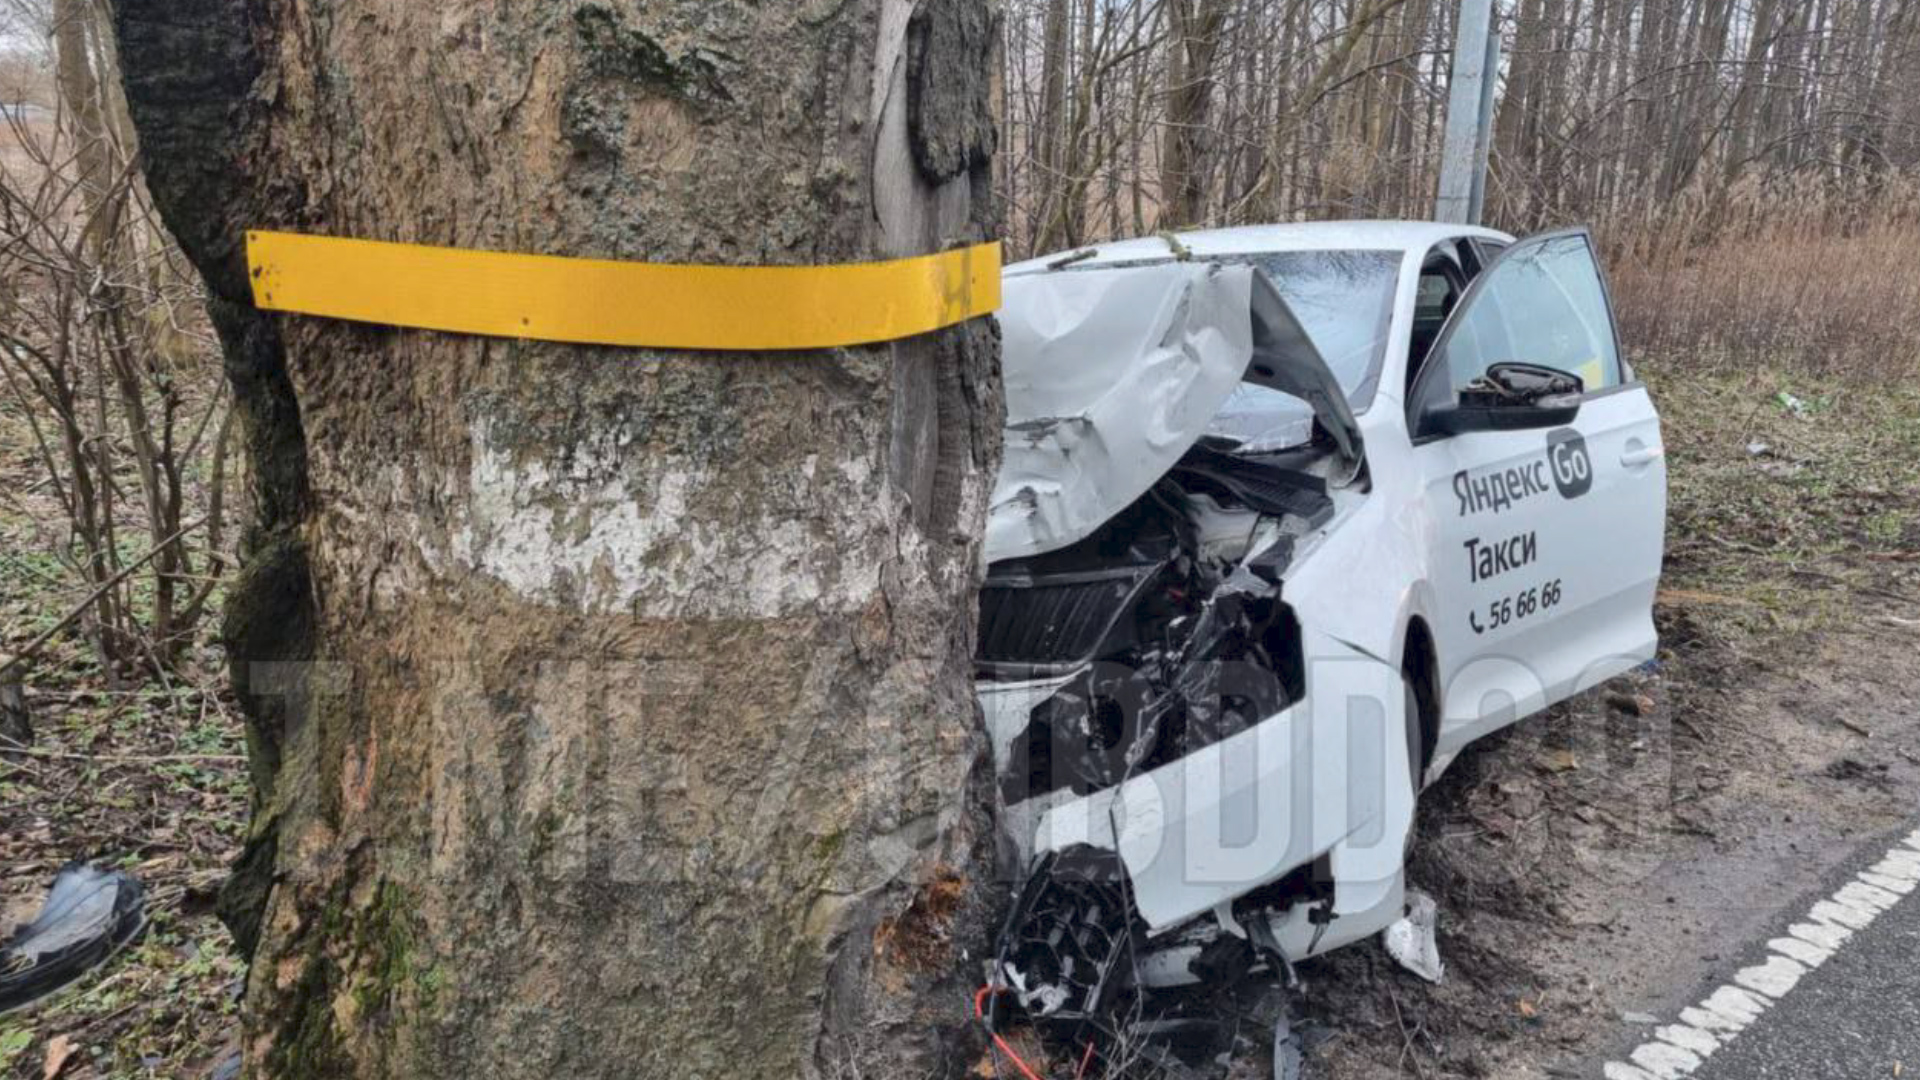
(1112, 375)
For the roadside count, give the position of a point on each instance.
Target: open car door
(1549, 526)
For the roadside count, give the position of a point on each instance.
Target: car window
(1543, 304)
(1344, 302)
(1435, 298)
(1442, 282)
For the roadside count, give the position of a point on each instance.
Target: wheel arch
(1420, 664)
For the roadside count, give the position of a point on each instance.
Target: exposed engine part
(1162, 632)
(1257, 485)
(1167, 651)
(1075, 957)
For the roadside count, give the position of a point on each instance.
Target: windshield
(1344, 301)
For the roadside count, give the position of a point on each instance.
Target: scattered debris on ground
(1414, 942)
(148, 780)
(89, 915)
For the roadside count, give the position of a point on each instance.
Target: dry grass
(13, 154)
(1804, 278)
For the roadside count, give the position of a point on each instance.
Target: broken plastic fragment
(1412, 941)
(88, 916)
(1289, 1062)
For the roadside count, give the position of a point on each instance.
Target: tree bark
(1193, 44)
(611, 711)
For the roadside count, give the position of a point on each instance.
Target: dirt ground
(1590, 865)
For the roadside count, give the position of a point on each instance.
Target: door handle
(1635, 457)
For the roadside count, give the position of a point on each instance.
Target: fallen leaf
(1562, 760)
(59, 1050)
(1631, 704)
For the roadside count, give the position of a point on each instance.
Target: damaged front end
(1143, 676)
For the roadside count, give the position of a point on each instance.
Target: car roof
(1259, 239)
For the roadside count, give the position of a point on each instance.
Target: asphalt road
(1855, 1015)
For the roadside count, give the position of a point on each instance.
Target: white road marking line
(1665, 1060)
(1833, 911)
(1861, 894)
(1897, 886)
(1676, 1050)
(1773, 978)
(1825, 935)
(1735, 1002)
(1708, 1020)
(1900, 864)
(1811, 955)
(1688, 1038)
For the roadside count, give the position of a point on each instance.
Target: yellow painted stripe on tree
(603, 302)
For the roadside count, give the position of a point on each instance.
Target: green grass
(1778, 513)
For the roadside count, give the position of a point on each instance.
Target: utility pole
(1476, 69)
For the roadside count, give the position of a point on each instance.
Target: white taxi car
(1288, 516)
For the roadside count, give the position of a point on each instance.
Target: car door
(1546, 543)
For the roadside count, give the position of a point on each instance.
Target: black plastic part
(1271, 564)
(1512, 397)
(1523, 416)
(1257, 485)
(89, 915)
(1066, 618)
(1055, 612)
(1071, 934)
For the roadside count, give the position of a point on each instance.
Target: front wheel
(1416, 735)
(1416, 756)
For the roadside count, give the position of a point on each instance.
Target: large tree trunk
(611, 711)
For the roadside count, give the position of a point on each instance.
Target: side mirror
(1511, 397)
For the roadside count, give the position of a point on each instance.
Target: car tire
(1416, 735)
(1416, 757)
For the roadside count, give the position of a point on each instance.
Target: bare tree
(98, 342)
(1194, 44)
(1651, 117)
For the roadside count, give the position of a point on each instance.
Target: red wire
(980, 1013)
(1086, 1059)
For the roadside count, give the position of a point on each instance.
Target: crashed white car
(1288, 516)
